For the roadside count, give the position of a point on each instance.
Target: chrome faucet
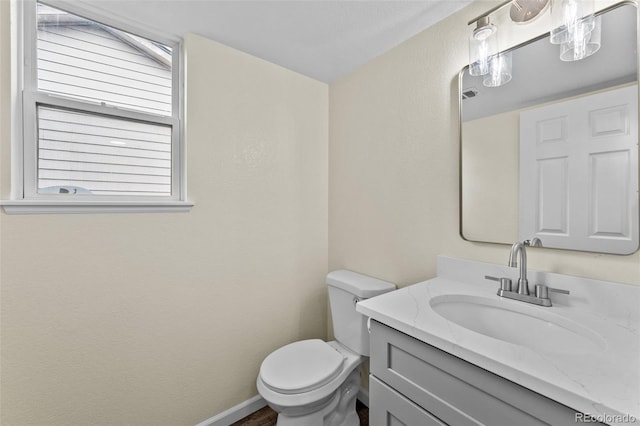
(535, 242)
(522, 286)
(521, 289)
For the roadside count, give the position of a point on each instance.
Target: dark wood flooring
(267, 417)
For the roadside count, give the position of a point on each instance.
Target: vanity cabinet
(414, 383)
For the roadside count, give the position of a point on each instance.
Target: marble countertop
(604, 383)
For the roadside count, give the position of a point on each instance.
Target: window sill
(71, 207)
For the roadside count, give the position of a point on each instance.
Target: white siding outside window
(86, 60)
(102, 155)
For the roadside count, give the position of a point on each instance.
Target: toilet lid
(301, 366)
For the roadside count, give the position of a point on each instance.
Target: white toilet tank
(345, 289)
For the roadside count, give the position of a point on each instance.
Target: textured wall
(163, 319)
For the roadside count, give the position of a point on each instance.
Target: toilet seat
(301, 366)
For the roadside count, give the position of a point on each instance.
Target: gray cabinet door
(388, 408)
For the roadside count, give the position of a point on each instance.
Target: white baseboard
(252, 405)
(235, 413)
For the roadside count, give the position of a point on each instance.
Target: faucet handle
(542, 291)
(505, 283)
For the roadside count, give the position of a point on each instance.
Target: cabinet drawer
(388, 408)
(455, 391)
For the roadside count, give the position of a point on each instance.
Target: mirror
(551, 157)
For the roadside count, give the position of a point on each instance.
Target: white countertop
(604, 383)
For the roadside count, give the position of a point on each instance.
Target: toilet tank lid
(360, 285)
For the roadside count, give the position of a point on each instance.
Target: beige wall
(394, 167)
(163, 319)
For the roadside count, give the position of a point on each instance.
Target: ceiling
(323, 39)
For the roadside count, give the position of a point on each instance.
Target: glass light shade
(585, 42)
(565, 15)
(483, 44)
(499, 70)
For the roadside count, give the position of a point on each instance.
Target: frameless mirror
(551, 157)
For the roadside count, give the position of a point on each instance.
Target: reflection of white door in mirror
(579, 172)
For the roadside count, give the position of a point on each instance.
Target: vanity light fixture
(483, 44)
(586, 41)
(575, 28)
(499, 70)
(485, 58)
(524, 11)
(571, 19)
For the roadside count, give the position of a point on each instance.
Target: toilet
(313, 382)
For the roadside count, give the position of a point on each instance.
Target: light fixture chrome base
(524, 11)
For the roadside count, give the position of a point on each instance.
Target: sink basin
(518, 323)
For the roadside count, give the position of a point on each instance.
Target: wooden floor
(267, 417)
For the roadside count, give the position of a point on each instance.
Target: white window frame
(25, 197)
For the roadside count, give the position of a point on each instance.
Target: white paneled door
(579, 173)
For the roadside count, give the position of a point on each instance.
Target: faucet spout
(523, 284)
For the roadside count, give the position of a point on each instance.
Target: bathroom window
(101, 112)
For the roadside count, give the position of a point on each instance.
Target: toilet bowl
(315, 383)
(304, 381)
